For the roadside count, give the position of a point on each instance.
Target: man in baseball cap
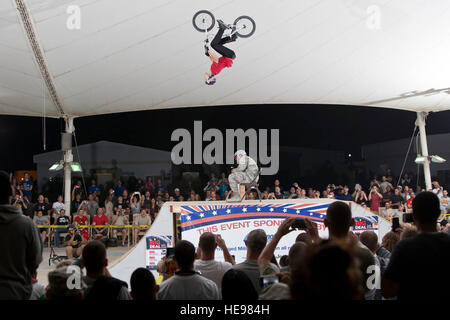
(246, 172)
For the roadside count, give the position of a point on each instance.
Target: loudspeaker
(66, 141)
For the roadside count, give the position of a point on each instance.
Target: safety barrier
(109, 227)
(390, 218)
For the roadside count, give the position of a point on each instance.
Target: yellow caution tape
(97, 226)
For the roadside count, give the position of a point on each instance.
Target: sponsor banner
(234, 221)
(366, 223)
(156, 249)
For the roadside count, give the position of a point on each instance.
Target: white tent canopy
(145, 54)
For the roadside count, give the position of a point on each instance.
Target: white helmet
(240, 153)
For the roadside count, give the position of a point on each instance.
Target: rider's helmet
(240, 153)
(211, 80)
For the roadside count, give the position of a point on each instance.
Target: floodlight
(437, 159)
(76, 167)
(57, 166)
(420, 159)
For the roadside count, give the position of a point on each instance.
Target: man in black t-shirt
(396, 199)
(74, 243)
(42, 206)
(416, 264)
(63, 221)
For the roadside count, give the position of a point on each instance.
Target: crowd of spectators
(140, 202)
(111, 213)
(410, 260)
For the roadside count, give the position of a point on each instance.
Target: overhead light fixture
(76, 167)
(437, 159)
(422, 159)
(57, 166)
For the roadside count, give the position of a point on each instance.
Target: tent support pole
(421, 118)
(68, 158)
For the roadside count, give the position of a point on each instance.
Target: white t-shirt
(438, 192)
(195, 287)
(213, 270)
(58, 206)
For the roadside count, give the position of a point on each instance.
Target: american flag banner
(195, 216)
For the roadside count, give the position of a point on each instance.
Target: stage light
(57, 166)
(76, 167)
(420, 159)
(437, 159)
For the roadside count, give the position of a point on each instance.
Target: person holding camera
(74, 243)
(76, 203)
(360, 196)
(375, 198)
(77, 189)
(136, 203)
(275, 283)
(437, 189)
(206, 263)
(20, 202)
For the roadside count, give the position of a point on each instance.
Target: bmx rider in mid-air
(228, 55)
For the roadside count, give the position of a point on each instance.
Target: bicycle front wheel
(203, 20)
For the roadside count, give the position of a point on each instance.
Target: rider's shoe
(206, 50)
(233, 37)
(222, 25)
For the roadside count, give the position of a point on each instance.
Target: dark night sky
(326, 127)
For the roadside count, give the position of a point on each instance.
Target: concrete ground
(114, 253)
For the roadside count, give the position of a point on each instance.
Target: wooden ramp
(233, 221)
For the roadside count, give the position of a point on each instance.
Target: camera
(268, 280)
(299, 224)
(395, 223)
(408, 218)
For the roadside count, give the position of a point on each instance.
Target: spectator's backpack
(105, 288)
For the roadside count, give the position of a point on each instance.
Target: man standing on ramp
(246, 172)
(228, 55)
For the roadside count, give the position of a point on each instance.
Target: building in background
(108, 161)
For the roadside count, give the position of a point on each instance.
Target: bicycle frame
(234, 30)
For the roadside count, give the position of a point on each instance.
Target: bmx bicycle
(204, 21)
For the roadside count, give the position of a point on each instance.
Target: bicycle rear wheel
(202, 20)
(245, 26)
